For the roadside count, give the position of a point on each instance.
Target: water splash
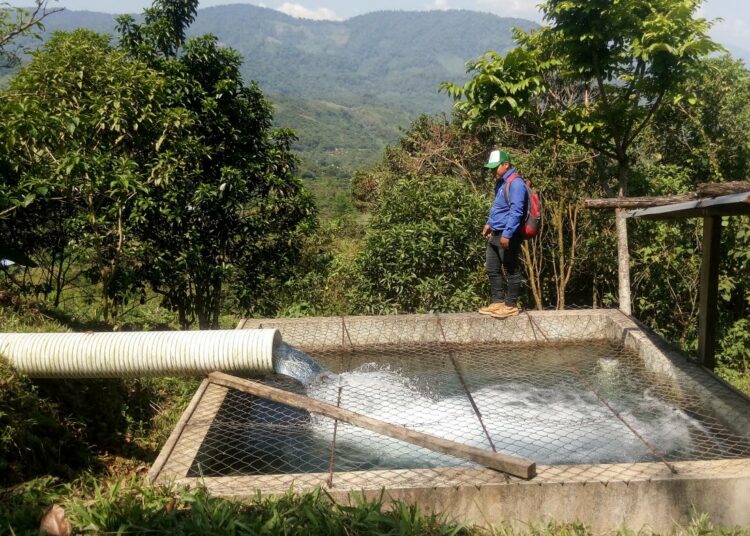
(557, 422)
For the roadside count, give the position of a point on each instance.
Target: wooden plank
(520, 467)
(712, 189)
(716, 189)
(636, 202)
(166, 450)
(709, 291)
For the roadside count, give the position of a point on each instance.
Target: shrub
(34, 438)
(423, 251)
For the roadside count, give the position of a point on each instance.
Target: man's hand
(487, 231)
(504, 242)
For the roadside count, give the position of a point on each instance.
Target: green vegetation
(617, 63)
(393, 59)
(419, 254)
(17, 24)
(138, 171)
(144, 186)
(346, 88)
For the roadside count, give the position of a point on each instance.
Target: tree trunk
(201, 297)
(216, 304)
(623, 254)
(60, 278)
(182, 313)
(533, 266)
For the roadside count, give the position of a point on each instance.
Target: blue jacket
(503, 217)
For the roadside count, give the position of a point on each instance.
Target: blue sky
(734, 30)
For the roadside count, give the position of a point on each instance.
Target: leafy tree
(87, 132)
(235, 216)
(709, 138)
(630, 56)
(422, 251)
(684, 146)
(163, 30)
(15, 23)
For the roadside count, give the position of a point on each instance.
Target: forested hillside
(393, 58)
(347, 88)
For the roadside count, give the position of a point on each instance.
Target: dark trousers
(499, 259)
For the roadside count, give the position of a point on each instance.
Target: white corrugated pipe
(140, 354)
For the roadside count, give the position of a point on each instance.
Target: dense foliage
(137, 170)
(347, 87)
(420, 253)
(88, 132)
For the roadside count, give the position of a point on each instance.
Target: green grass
(738, 378)
(131, 505)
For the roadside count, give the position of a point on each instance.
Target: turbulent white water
(559, 422)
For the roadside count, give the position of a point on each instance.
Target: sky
(734, 30)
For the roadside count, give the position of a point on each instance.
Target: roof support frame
(708, 293)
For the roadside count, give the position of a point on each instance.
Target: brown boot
(491, 308)
(506, 312)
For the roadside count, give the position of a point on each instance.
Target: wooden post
(623, 263)
(709, 291)
(500, 462)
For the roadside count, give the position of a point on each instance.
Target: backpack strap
(506, 186)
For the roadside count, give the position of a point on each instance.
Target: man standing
(503, 237)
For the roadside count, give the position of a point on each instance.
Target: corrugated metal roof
(726, 205)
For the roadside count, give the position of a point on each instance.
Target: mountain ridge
(399, 57)
(346, 87)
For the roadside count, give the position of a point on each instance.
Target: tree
(709, 138)
(235, 216)
(88, 133)
(630, 56)
(163, 30)
(14, 23)
(421, 254)
(686, 145)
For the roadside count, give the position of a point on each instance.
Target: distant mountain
(346, 87)
(393, 57)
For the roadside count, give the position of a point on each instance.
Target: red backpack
(533, 219)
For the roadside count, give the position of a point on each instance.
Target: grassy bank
(130, 506)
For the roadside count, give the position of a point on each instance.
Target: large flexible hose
(140, 354)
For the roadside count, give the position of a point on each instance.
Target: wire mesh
(582, 391)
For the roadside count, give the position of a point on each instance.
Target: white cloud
(512, 8)
(301, 12)
(440, 5)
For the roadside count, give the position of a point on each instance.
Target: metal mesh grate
(561, 389)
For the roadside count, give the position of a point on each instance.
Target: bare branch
(650, 114)
(25, 21)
